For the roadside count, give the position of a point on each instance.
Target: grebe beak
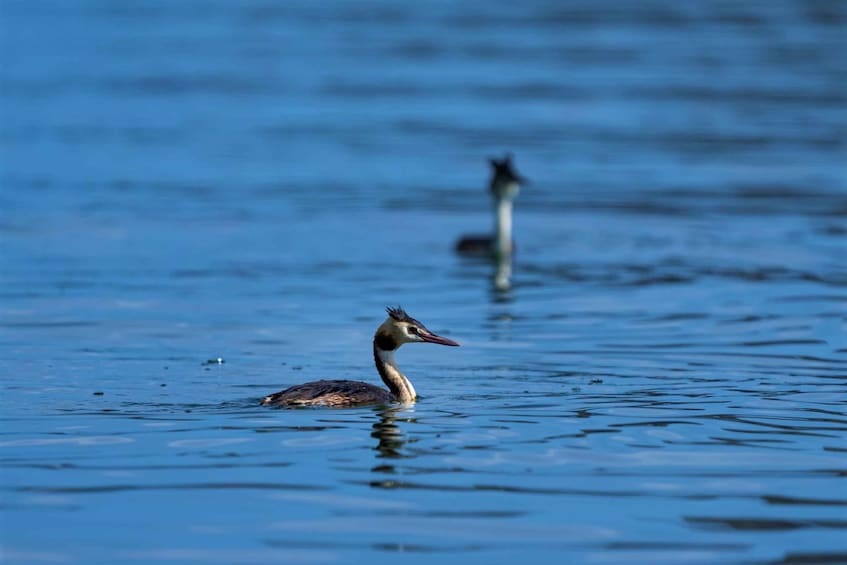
(432, 338)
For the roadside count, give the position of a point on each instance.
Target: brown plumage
(331, 394)
(397, 329)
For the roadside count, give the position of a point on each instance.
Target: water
(664, 381)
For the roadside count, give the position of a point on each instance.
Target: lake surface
(663, 382)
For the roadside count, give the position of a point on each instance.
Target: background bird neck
(503, 227)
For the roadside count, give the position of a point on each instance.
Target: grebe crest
(505, 181)
(397, 329)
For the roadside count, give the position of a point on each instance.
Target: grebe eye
(413, 330)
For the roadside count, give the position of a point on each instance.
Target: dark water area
(664, 381)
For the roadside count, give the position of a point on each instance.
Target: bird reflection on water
(390, 438)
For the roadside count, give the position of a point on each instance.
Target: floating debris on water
(215, 361)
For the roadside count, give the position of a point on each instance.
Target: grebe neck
(399, 385)
(503, 227)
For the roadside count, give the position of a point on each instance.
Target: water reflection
(502, 278)
(390, 438)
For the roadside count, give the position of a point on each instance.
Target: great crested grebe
(397, 329)
(504, 185)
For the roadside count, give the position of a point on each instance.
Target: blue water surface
(663, 381)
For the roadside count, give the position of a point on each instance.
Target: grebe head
(505, 181)
(400, 328)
